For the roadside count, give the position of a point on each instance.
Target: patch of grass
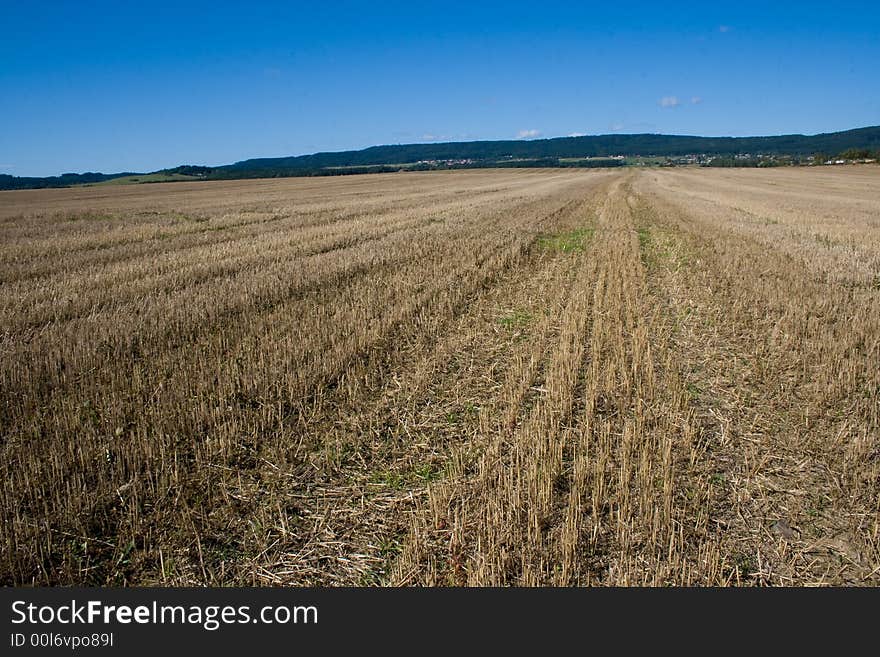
(745, 564)
(644, 161)
(469, 411)
(427, 473)
(570, 242)
(190, 218)
(389, 478)
(662, 248)
(90, 216)
(516, 319)
(389, 547)
(417, 476)
(648, 248)
(146, 178)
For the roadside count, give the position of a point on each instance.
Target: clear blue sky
(95, 86)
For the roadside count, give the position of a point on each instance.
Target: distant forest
(587, 151)
(64, 180)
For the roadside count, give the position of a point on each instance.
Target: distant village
(771, 160)
(691, 159)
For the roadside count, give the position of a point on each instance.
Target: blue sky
(94, 86)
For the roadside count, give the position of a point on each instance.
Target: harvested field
(490, 377)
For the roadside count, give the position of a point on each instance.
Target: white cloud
(669, 101)
(634, 127)
(528, 134)
(577, 134)
(696, 100)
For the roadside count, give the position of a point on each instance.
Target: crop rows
(454, 378)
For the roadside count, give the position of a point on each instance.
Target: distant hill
(574, 147)
(64, 180)
(587, 151)
(140, 178)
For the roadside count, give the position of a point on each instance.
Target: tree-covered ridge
(587, 146)
(64, 180)
(586, 151)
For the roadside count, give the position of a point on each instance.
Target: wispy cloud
(636, 126)
(528, 134)
(577, 134)
(696, 100)
(669, 101)
(724, 28)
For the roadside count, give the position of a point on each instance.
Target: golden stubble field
(511, 377)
